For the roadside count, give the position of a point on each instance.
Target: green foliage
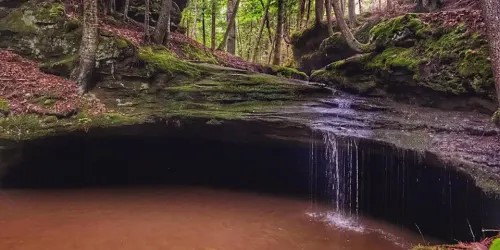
(161, 59)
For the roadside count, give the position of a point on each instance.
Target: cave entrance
(350, 176)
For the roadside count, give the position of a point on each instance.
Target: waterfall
(334, 174)
(342, 172)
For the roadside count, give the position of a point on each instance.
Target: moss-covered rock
(415, 57)
(161, 60)
(42, 31)
(287, 72)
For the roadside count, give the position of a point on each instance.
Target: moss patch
(60, 67)
(197, 54)
(161, 59)
(288, 73)
(385, 31)
(395, 57)
(4, 106)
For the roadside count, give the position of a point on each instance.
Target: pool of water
(183, 218)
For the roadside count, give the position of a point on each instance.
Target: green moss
(198, 54)
(49, 11)
(496, 117)
(4, 106)
(475, 64)
(385, 31)
(21, 127)
(121, 43)
(161, 59)
(61, 66)
(20, 21)
(395, 57)
(288, 73)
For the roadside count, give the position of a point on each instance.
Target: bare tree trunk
(360, 7)
(88, 47)
(346, 32)
(261, 30)
(491, 14)
(162, 31)
(204, 32)
(112, 6)
(231, 39)
(195, 19)
(300, 16)
(147, 36)
(125, 10)
(279, 33)
(329, 21)
(352, 13)
(214, 23)
(231, 23)
(319, 10)
(309, 3)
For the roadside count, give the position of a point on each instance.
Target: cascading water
(359, 178)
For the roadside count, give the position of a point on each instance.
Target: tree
(213, 24)
(231, 23)
(204, 32)
(389, 4)
(125, 9)
(261, 30)
(146, 22)
(346, 32)
(162, 31)
(491, 14)
(329, 22)
(231, 39)
(352, 13)
(84, 71)
(319, 11)
(279, 33)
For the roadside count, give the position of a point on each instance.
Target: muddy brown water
(182, 218)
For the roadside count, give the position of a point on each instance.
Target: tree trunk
(352, 13)
(319, 10)
(147, 37)
(329, 22)
(195, 19)
(204, 32)
(491, 14)
(231, 23)
(360, 7)
(309, 3)
(125, 10)
(300, 16)
(112, 6)
(279, 33)
(231, 39)
(346, 32)
(88, 47)
(162, 31)
(214, 23)
(261, 30)
(389, 5)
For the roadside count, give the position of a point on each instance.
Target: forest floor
(28, 90)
